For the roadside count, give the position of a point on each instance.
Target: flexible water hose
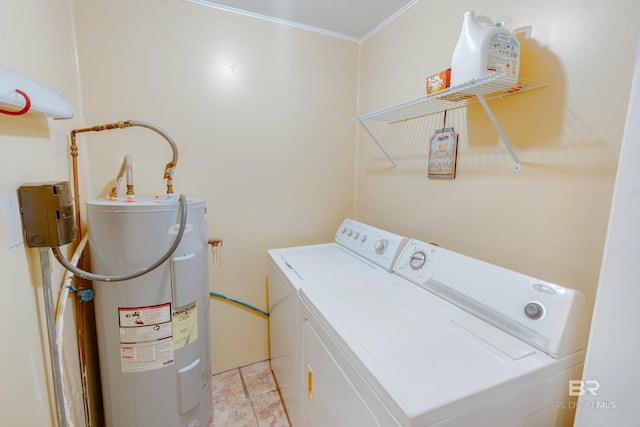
(244, 304)
(101, 278)
(126, 170)
(165, 135)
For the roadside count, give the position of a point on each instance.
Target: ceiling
(353, 20)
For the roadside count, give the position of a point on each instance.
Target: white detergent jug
(484, 47)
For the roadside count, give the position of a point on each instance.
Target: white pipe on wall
(63, 297)
(51, 332)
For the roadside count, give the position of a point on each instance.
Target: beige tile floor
(247, 397)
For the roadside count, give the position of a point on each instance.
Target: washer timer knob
(380, 246)
(417, 260)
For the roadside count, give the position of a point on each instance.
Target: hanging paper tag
(443, 152)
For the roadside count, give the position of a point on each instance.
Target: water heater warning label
(146, 337)
(185, 325)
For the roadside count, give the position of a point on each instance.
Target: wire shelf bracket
(374, 139)
(485, 106)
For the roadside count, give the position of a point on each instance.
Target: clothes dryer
(447, 340)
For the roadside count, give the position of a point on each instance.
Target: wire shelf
(490, 86)
(495, 85)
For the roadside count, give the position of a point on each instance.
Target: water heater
(152, 330)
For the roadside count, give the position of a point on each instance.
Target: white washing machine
(447, 340)
(359, 251)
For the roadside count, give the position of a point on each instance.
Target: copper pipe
(82, 355)
(73, 150)
(168, 170)
(78, 305)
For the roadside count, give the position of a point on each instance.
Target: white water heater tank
(153, 331)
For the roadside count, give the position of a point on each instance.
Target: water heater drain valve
(85, 295)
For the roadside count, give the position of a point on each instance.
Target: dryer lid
(326, 261)
(422, 354)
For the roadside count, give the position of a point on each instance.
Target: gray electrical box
(47, 213)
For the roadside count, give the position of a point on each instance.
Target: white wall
(270, 147)
(611, 373)
(549, 220)
(37, 41)
(271, 150)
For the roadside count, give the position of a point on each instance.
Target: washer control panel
(378, 246)
(547, 316)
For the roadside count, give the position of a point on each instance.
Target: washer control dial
(533, 310)
(417, 260)
(380, 246)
